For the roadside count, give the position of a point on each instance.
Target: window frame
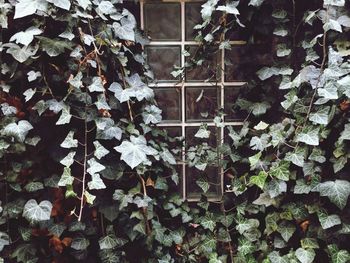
(183, 84)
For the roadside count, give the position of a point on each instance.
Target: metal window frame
(183, 84)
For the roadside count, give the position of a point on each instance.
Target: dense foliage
(87, 176)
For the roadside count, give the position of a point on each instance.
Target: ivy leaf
(203, 132)
(230, 8)
(321, 116)
(256, 2)
(245, 246)
(7, 109)
(94, 166)
(100, 151)
(203, 184)
(20, 54)
(64, 4)
(167, 156)
(281, 170)
(28, 7)
(69, 141)
(309, 243)
(345, 134)
(68, 160)
(89, 197)
(135, 151)
(35, 212)
(28, 94)
(80, 243)
(258, 180)
(84, 3)
(19, 130)
(260, 108)
(244, 224)
(338, 256)
(65, 116)
(123, 198)
(305, 255)
(296, 157)
(66, 178)
(276, 187)
(142, 91)
(260, 143)
(275, 257)
(27, 36)
(76, 81)
(121, 94)
(309, 137)
(96, 182)
(57, 229)
(337, 191)
(253, 160)
(54, 47)
(334, 2)
(110, 242)
(208, 222)
(152, 114)
(124, 29)
(96, 85)
(328, 221)
(142, 201)
(33, 186)
(266, 72)
(332, 25)
(301, 187)
(4, 240)
(286, 230)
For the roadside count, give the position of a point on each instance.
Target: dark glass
(174, 144)
(193, 17)
(230, 96)
(208, 70)
(211, 174)
(162, 60)
(201, 103)
(163, 21)
(169, 101)
(236, 62)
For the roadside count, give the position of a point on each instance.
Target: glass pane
(193, 17)
(162, 60)
(210, 174)
(230, 96)
(191, 140)
(163, 21)
(202, 103)
(236, 62)
(208, 70)
(169, 101)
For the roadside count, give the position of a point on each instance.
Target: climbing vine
(86, 175)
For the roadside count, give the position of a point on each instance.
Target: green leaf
(96, 182)
(280, 170)
(334, 2)
(260, 143)
(328, 221)
(286, 230)
(345, 134)
(245, 246)
(19, 130)
(27, 36)
(244, 224)
(305, 255)
(321, 116)
(89, 197)
(64, 4)
(69, 141)
(275, 257)
(253, 160)
(57, 229)
(80, 243)
(69, 159)
(100, 151)
(276, 187)
(332, 25)
(135, 151)
(338, 256)
(54, 47)
(203, 184)
(65, 116)
(96, 85)
(208, 222)
(152, 114)
(4, 240)
(301, 187)
(258, 180)
(203, 132)
(66, 178)
(261, 126)
(296, 157)
(309, 137)
(21, 54)
(94, 166)
(33, 186)
(35, 212)
(28, 7)
(307, 243)
(337, 191)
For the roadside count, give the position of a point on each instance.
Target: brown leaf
(304, 225)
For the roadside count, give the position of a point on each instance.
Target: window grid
(221, 84)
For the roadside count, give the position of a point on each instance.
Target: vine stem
(84, 167)
(144, 209)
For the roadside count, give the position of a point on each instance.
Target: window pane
(210, 174)
(201, 103)
(231, 95)
(193, 17)
(162, 60)
(163, 21)
(236, 60)
(208, 70)
(169, 101)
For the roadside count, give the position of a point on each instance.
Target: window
(189, 102)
